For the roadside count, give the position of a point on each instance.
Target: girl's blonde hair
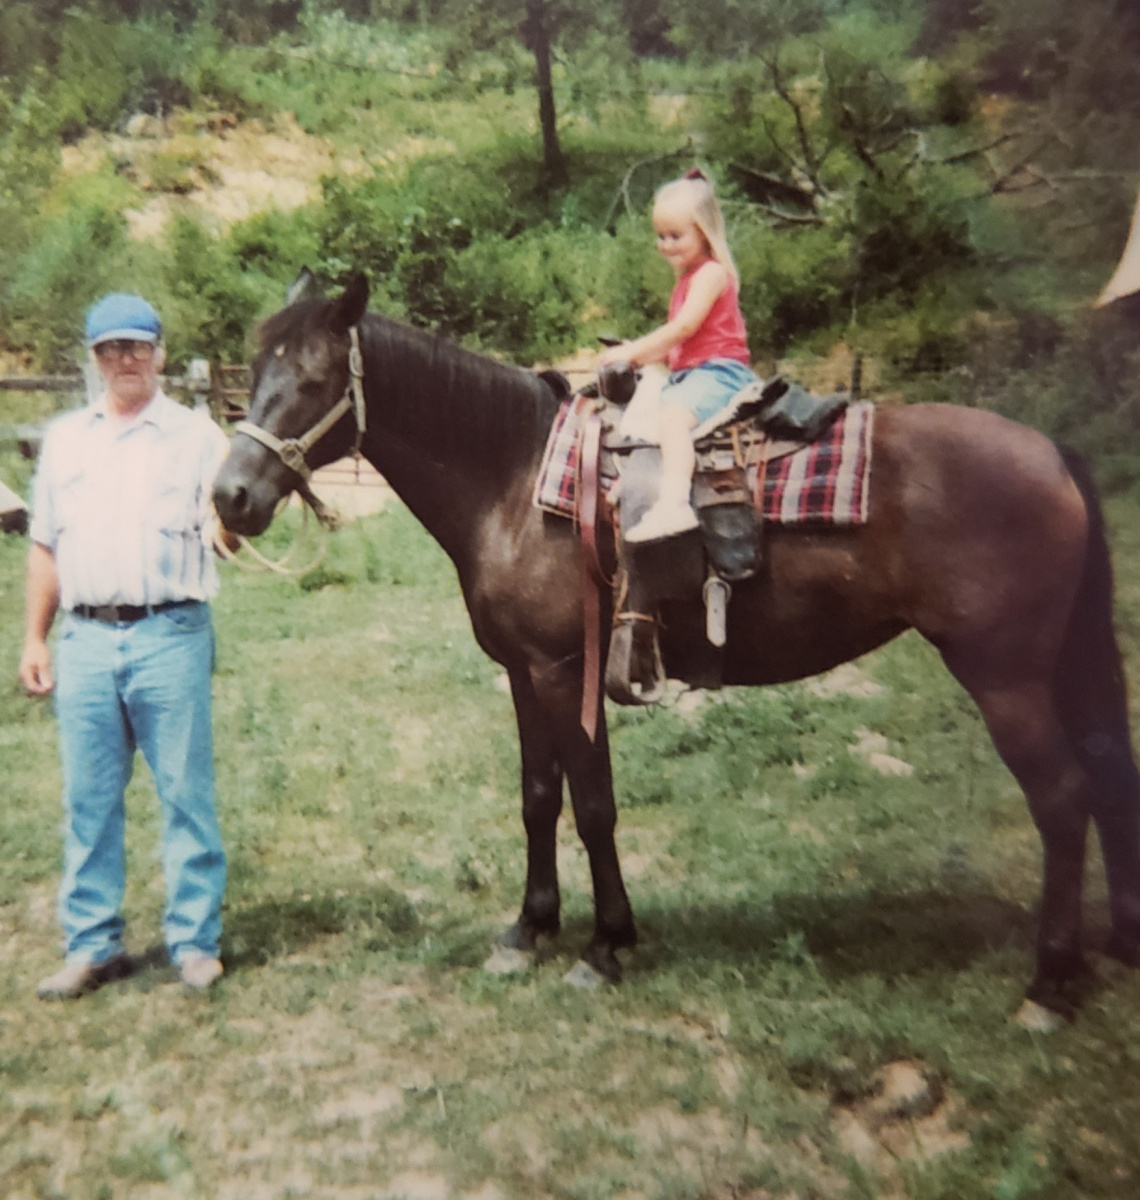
(693, 196)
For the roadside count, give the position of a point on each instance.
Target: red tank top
(721, 334)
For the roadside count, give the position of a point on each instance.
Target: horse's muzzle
(247, 492)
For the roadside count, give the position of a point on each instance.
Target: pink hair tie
(696, 173)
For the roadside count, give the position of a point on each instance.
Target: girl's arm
(708, 283)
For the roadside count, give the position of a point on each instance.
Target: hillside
(943, 191)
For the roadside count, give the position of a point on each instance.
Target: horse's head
(303, 412)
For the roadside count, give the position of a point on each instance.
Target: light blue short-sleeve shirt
(125, 506)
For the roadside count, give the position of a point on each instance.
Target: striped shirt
(125, 506)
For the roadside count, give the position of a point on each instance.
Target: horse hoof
(505, 960)
(583, 977)
(525, 937)
(1037, 1018)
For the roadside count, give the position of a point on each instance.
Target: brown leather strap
(634, 616)
(761, 478)
(592, 575)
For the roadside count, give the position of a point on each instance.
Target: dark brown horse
(982, 535)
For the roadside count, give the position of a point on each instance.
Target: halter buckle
(293, 456)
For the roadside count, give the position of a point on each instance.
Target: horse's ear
(350, 305)
(304, 287)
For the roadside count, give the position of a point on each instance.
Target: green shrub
(72, 257)
(210, 303)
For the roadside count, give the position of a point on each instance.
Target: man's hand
(35, 669)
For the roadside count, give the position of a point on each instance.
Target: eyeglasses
(124, 348)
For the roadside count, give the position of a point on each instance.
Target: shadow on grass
(889, 934)
(275, 928)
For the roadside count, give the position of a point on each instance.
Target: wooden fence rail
(220, 387)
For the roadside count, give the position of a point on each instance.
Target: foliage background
(943, 185)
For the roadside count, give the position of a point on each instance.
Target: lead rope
(280, 565)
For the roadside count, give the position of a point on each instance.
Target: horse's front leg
(541, 808)
(587, 767)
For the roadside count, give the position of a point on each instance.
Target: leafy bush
(71, 258)
(210, 303)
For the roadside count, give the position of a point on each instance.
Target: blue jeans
(706, 389)
(145, 684)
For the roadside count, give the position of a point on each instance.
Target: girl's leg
(677, 455)
(672, 513)
(687, 399)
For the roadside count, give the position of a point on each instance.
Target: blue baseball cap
(122, 315)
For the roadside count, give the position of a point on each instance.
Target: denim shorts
(706, 389)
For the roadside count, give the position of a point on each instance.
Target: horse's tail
(1090, 687)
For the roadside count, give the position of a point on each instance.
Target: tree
(536, 35)
(547, 28)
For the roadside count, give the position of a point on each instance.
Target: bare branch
(776, 143)
(627, 179)
(777, 186)
(974, 151)
(786, 218)
(1001, 181)
(755, 209)
(865, 157)
(781, 90)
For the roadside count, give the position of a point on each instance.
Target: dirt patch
(213, 166)
(846, 680)
(873, 748)
(905, 1116)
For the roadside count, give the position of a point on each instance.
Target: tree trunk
(553, 163)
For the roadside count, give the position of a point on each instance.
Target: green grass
(805, 920)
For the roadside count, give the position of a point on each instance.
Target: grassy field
(835, 884)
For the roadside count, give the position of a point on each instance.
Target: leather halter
(292, 451)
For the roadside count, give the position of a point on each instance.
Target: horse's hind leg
(541, 808)
(1027, 731)
(1116, 811)
(1106, 752)
(1092, 698)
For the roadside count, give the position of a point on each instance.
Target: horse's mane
(429, 390)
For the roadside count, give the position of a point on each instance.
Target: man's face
(130, 369)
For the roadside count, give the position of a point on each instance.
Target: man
(121, 532)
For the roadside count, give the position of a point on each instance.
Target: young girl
(703, 341)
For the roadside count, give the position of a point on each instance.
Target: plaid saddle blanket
(825, 482)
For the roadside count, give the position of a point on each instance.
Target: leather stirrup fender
(592, 574)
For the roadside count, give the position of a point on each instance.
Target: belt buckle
(108, 613)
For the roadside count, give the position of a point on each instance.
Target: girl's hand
(614, 354)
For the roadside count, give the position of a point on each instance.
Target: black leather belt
(112, 613)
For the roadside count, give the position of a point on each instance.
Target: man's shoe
(199, 973)
(663, 520)
(75, 979)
